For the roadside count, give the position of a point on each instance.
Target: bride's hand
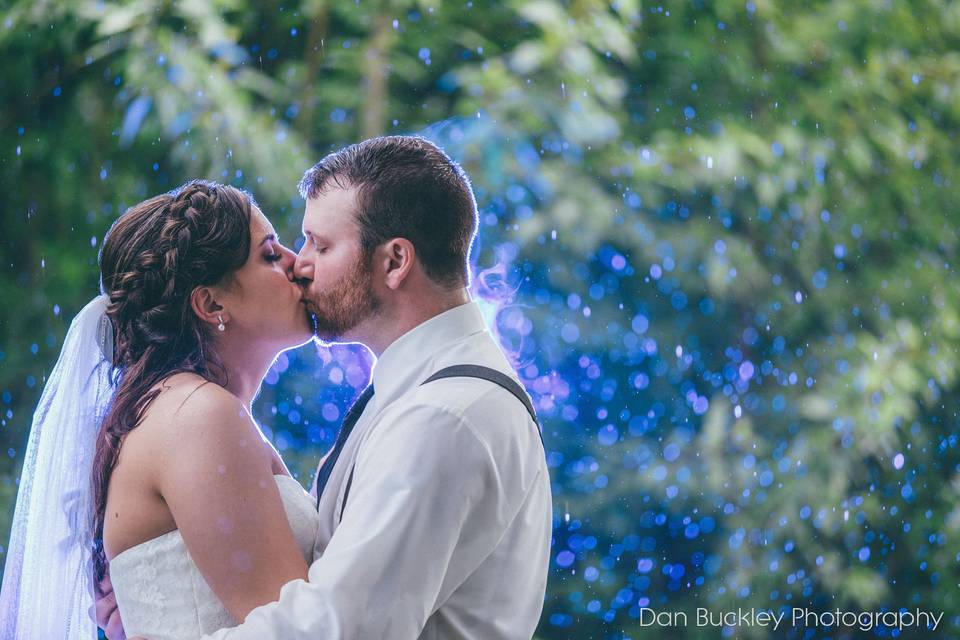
(106, 612)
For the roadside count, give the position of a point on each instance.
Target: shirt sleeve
(421, 516)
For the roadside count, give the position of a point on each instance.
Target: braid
(153, 258)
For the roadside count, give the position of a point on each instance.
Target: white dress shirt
(446, 532)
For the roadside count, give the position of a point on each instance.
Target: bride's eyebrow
(267, 238)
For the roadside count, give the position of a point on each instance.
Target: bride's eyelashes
(275, 254)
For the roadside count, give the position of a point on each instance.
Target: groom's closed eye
(318, 243)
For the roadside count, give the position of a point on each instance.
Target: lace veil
(48, 579)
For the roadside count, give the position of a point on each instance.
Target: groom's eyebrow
(314, 236)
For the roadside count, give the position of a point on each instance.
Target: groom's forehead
(330, 211)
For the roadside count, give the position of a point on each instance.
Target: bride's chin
(297, 335)
(304, 339)
(300, 338)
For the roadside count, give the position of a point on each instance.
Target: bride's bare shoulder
(187, 401)
(191, 424)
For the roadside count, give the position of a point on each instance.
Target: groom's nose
(302, 268)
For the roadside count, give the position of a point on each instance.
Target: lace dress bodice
(161, 593)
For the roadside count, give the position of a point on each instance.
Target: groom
(435, 501)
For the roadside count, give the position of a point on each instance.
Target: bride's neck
(245, 372)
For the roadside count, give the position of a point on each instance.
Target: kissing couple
(151, 499)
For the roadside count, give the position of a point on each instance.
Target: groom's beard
(342, 307)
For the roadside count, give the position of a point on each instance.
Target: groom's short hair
(406, 187)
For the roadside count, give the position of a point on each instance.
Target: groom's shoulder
(482, 424)
(484, 406)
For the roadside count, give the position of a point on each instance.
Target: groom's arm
(425, 486)
(105, 611)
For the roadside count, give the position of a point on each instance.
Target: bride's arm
(215, 474)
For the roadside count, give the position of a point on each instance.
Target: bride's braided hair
(153, 257)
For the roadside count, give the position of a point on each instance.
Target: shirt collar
(407, 361)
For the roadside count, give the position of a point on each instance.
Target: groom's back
(503, 596)
(453, 473)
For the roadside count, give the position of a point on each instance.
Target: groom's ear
(398, 256)
(205, 306)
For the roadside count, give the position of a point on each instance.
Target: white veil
(48, 579)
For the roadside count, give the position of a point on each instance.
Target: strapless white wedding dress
(161, 593)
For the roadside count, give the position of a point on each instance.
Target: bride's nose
(287, 260)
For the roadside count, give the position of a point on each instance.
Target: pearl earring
(221, 326)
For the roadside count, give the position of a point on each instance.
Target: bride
(145, 466)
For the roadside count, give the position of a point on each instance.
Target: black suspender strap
(491, 375)
(349, 422)
(470, 371)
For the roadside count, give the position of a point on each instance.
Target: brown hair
(153, 257)
(406, 187)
